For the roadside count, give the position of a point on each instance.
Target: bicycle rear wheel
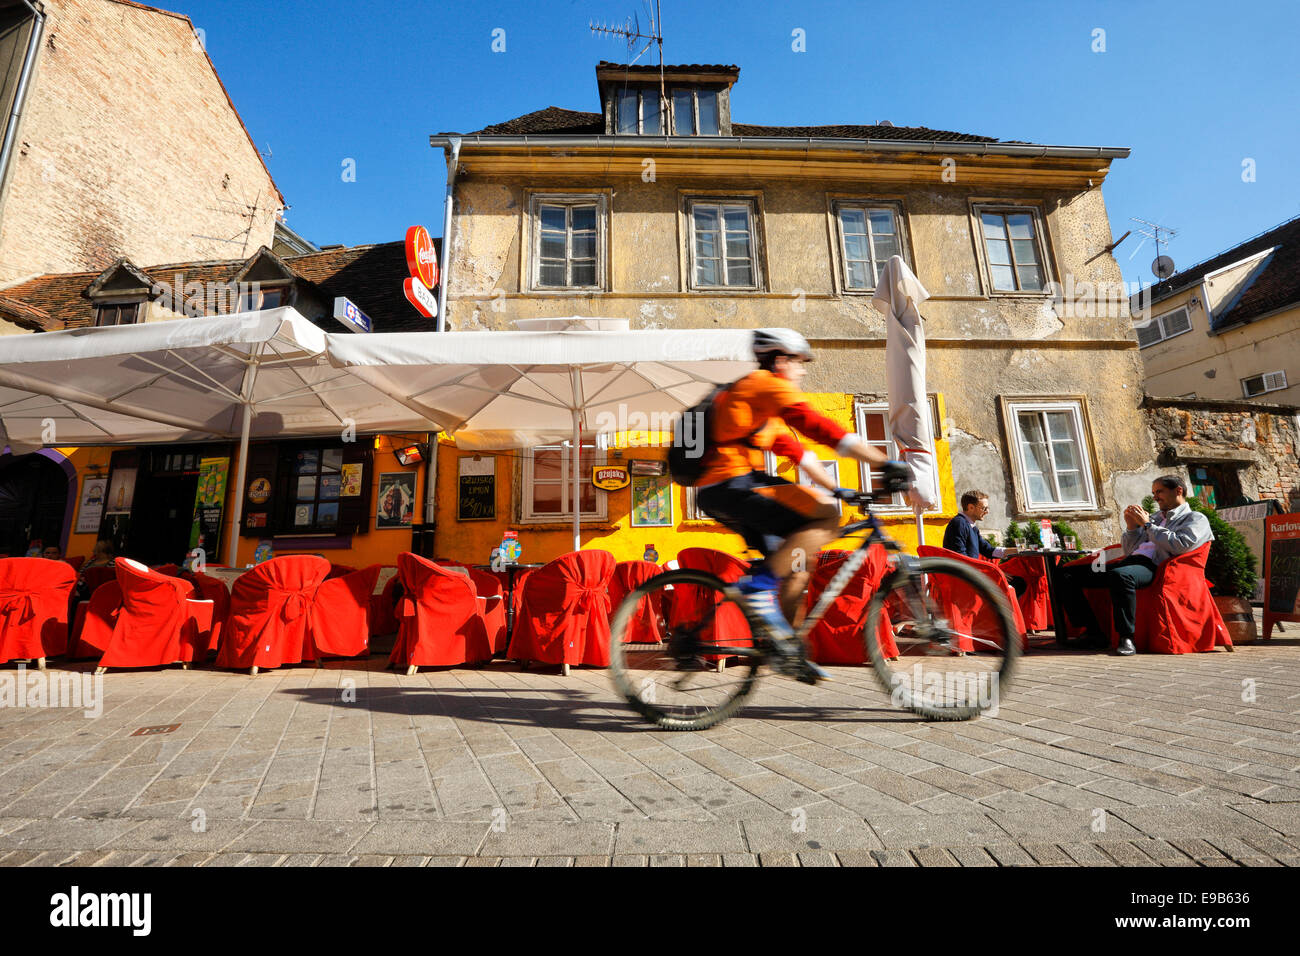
(954, 640)
(675, 682)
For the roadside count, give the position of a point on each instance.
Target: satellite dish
(884, 123)
(1162, 267)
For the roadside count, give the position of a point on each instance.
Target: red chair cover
(1176, 613)
(156, 624)
(729, 625)
(339, 570)
(647, 626)
(439, 617)
(76, 562)
(1099, 600)
(212, 589)
(837, 638)
(96, 618)
(492, 605)
(563, 615)
(340, 615)
(967, 611)
(270, 612)
(383, 606)
(1035, 603)
(34, 596)
(97, 576)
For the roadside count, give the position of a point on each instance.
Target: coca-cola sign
(420, 257)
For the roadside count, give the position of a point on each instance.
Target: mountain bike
(941, 637)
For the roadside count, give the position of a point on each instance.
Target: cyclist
(776, 518)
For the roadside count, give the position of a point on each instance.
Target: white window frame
(1160, 325)
(253, 299)
(536, 201)
(640, 93)
(671, 112)
(895, 209)
(1016, 407)
(832, 467)
(527, 483)
(1263, 378)
(1040, 245)
(897, 503)
(751, 205)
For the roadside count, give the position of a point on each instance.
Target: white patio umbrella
(496, 390)
(249, 375)
(899, 294)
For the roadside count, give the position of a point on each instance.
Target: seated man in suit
(962, 536)
(1149, 542)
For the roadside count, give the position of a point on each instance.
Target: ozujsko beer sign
(423, 266)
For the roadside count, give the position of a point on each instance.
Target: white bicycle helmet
(782, 341)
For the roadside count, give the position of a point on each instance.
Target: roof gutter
(20, 94)
(1025, 150)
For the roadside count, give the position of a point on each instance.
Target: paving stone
(739, 859)
(1048, 854)
(1008, 854)
(946, 830)
(933, 856)
(816, 834)
(543, 839)
(777, 859)
(1087, 854)
(648, 837)
(305, 836)
(630, 859)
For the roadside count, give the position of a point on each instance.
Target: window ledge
(1091, 514)
(588, 524)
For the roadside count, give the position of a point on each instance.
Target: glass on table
(1070, 543)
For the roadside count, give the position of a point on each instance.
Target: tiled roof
(555, 121)
(1275, 285)
(670, 68)
(371, 276)
(25, 315)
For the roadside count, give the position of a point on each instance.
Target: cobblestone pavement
(1092, 760)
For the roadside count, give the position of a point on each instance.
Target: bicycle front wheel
(943, 643)
(667, 641)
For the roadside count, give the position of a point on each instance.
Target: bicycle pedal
(814, 673)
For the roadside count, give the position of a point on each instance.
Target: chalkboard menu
(476, 489)
(1281, 570)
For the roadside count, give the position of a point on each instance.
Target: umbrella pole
(241, 472)
(920, 527)
(576, 500)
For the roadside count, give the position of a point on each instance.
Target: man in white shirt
(1149, 542)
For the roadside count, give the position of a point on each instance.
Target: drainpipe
(453, 164)
(29, 65)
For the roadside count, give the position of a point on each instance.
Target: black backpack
(692, 442)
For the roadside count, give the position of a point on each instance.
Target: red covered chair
(34, 596)
(213, 589)
(383, 606)
(76, 562)
(492, 605)
(1176, 613)
(270, 612)
(1035, 603)
(97, 576)
(440, 622)
(93, 626)
(837, 637)
(647, 626)
(563, 613)
(339, 570)
(967, 611)
(729, 625)
(159, 622)
(340, 615)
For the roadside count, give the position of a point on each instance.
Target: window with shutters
(1259, 384)
(1163, 327)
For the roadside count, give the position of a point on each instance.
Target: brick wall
(128, 147)
(1265, 441)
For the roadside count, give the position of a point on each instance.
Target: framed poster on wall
(91, 512)
(652, 501)
(396, 500)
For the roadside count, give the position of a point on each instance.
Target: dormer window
(254, 298)
(638, 112)
(695, 113)
(119, 313)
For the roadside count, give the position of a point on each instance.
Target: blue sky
(1194, 88)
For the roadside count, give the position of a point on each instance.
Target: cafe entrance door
(33, 502)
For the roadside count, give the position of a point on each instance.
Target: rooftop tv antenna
(630, 30)
(1162, 266)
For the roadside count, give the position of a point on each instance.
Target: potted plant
(1230, 569)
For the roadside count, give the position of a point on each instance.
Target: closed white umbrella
(899, 294)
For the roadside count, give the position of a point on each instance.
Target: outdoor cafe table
(1053, 559)
(507, 574)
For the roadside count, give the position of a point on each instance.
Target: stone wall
(1261, 440)
(129, 146)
